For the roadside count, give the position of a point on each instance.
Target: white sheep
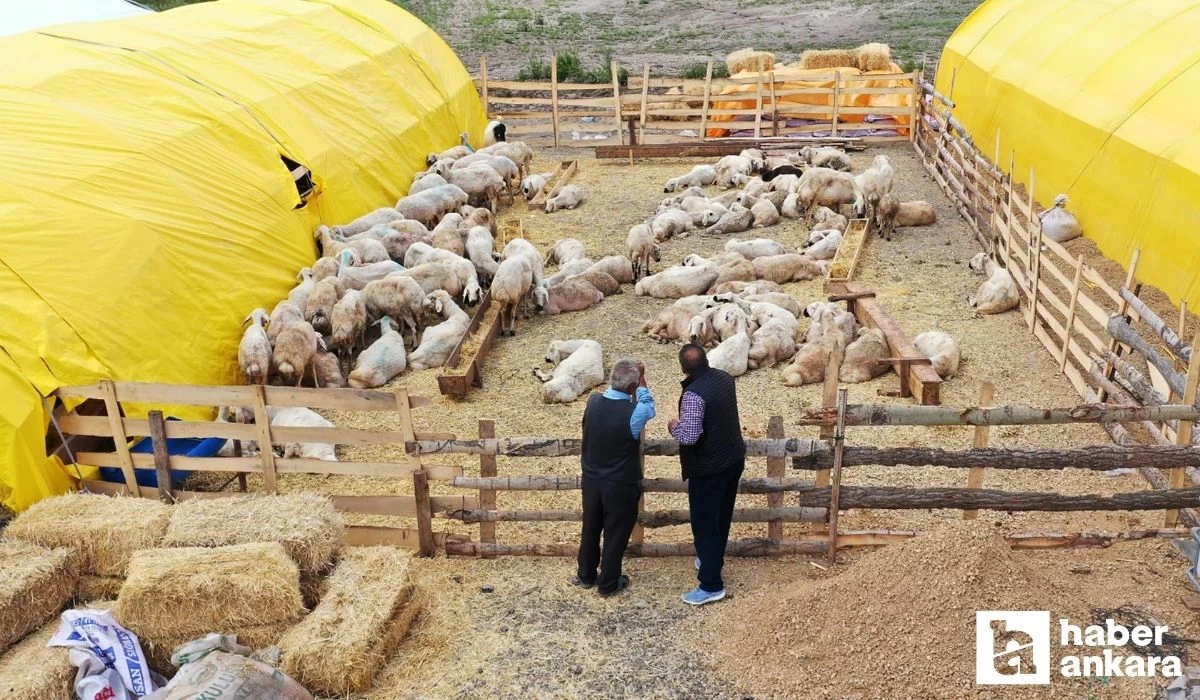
(533, 184)
(430, 205)
(789, 267)
(784, 301)
(916, 213)
(573, 294)
(640, 248)
(998, 293)
(568, 270)
(294, 350)
(671, 223)
(773, 342)
(425, 180)
(863, 359)
(579, 367)
(764, 212)
(825, 157)
(482, 184)
(301, 417)
(481, 251)
(449, 240)
(1058, 224)
(283, 315)
(522, 246)
(732, 355)
(676, 282)
(604, 283)
(618, 266)
(568, 197)
(736, 220)
(827, 316)
(516, 151)
(825, 219)
(755, 247)
(381, 360)
(510, 288)
(397, 296)
(828, 188)
(672, 322)
(565, 250)
(942, 351)
(319, 308)
(299, 293)
(437, 342)
(366, 221)
(327, 371)
(825, 247)
(348, 321)
(699, 176)
(809, 363)
(791, 207)
(434, 276)
(254, 351)
(874, 183)
(729, 166)
(324, 267)
(737, 269)
(748, 287)
(494, 132)
(353, 277)
(674, 202)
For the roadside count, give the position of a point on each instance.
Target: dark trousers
(611, 509)
(710, 503)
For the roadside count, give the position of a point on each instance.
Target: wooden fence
(114, 424)
(1087, 323)
(670, 109)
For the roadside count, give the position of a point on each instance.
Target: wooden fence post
(162, 456)
(1035, 274)
(483, 86)
(639, 532)
(829, 400)
(617, 101)
(425, 543)
(776, 467)
(758, 105)
(645, 99)
(707, 98)
(487, 497)
(915, 114)
(774, 108)
(1183, 435)
(266, 448)
(839, 438)
(837, 98)
(1071, 308)
(1114, 345)
(975, 476)
(120, 440)
(554, 95)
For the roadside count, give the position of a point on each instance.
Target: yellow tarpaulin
(145, 206)
(1098, 98)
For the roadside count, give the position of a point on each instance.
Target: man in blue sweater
(612, 475)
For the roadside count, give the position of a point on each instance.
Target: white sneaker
(697, 563)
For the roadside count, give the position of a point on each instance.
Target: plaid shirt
(691, 419)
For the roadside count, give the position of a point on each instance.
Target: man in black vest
(713, 456)
(612, 474)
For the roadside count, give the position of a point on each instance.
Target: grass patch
(572, 69)
(698, 71)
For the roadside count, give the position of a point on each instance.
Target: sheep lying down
(579, 367)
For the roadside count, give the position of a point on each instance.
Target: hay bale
(104, 531)
(874, 56)
(190, 591)
(98, 587)
(815, 59)
(33, 670)
(367, 609)
(306, 524)
(749, 60)
(35, 583)
(159, 650)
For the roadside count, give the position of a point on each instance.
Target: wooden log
(616, 85)
(829, 393)
(835, 476)
(919, 379)
(554, 96)
(1138, 384)
(979, 441)
(893, 498)
(650, 519)
(266, 445)
(1121, 331)
(483, 85)
(776, 469)
(1070, 325)
(1092, 457)
(112, 407)
(1118, 394)
(736, 548)
(566, 447)
(572, 483)
(861, 414)
(487, 468)
(426, 546)
(162, 456)
(707, 102)
(1168, 336)
(1114, 345)
(1183, 436)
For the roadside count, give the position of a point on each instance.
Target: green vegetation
(698, 71)
(571, 69)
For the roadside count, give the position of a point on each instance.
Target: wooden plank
(836, 105)
(402, 506)
(860, 415)
(707, 103)
(835, 484)
(616, 86)
(112, 408)
(372, 536)
(645, 95)
(922, 381)
(1183, 435)
(758, 103)
(653, 519)
(1114, 345)
(554, 96)
(426, 547)
(266, 445)
(560, 177)
(487, 468)
(162, 456)
(483, 87)
(282, 466)
(567, 447)
(1070, 325)
(975, 477)
(829, 394)
(776, 469)
(845, 260)
(196, 395)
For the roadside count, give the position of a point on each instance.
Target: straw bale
(35, 583)
(191, 591)
(749, 60)
(98, 587)
(365, 613)
(306, 524)
(874, 56)
(33, 670)
(159, 649)
(814, 59)
(104, 531)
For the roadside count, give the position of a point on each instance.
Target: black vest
(720, 445)
(609, 453)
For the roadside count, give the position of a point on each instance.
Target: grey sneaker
(697, 563)
(699, 596)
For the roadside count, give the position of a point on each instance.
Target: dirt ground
(533, 635)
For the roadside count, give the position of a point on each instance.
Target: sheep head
(978, 262)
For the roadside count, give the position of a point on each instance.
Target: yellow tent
(145, 203)
(1098, 97)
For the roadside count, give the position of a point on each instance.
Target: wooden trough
(841, 268)
(460, 373)
(559, 178)
(917, 378)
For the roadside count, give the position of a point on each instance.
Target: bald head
(692, 358)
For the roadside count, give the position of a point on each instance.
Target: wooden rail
(460, 374)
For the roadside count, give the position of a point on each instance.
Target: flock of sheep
(390, 288)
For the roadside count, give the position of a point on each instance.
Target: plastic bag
(109, 645)
(1058, 224)
(222, 674)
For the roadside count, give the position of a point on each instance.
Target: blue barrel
(185, 447)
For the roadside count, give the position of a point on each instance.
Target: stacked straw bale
(368, 606)
(307, 525)
(874, 56)
(35, 584)
(33, 670)
(103, 531)
(749, 60)
(815, 59)
(173, 596)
